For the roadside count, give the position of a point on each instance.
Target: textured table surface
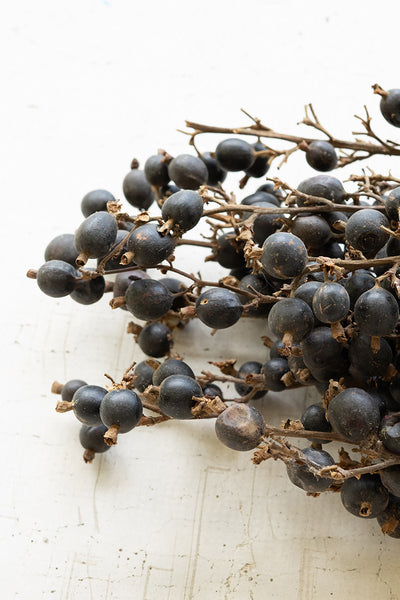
(169, 513)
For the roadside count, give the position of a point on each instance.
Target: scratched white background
(169, 513)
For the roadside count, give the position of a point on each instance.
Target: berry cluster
(318, 265)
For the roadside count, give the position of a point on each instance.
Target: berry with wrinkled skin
(240, 427)
(188, 172)
(218, 308)
(234, 154)
(122, 408)
(57, 278)
(95, 201)
(176, 396)
(137, 190)
(301, 475)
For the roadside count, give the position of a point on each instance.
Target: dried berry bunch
(317, 265)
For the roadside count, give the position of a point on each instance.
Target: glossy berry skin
(188, 172)
(365, 497)
(389, 432)
(273, 371)
(148, 299)
(176, 396)
(171, 366)
(321, 156)
(56, 278)
(122, 408)
(218, 308)
(251, 367)
(92, 438)
(376, 312)
(69, 389)
(115, 263)
(90, 291)
(306, 291)
(175, 287)
(284, 255)
(291, 315)
(234, 155)
(259, 197)
(150, 247)
(323, 355)
(137, 190)
(390, 478)
(185, 208)
(240, 427)
(323, 186)
(156, 170)
(357, 283)
(331, 303)
(390, 107)
(261, 165)
(226, 253)
(265, 224)
(143, 376)
(62, 247)
(95, 201)
(123, 281)
(354, 414)
(86, 404)
(260, 284)
(363, 231)
(392, 204)
(155, 339)
(96, 234)
(314, 419)
(211, 391)
(313, 230)
(302, 477)
(365, 360)
(215, 173)
(389, 519)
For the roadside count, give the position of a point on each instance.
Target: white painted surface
(169, 513)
